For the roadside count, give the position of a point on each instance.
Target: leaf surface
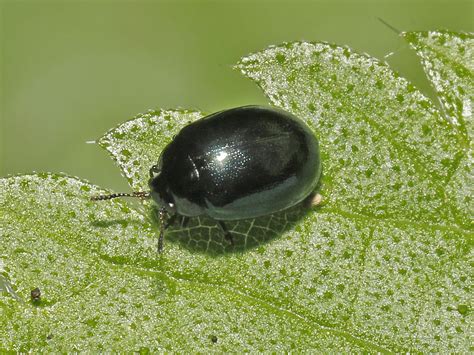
(448, 60)
(383, 266)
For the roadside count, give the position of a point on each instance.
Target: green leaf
(389, 156)
(105, 288)
(448, 60)
(384, 265)
(387, 152)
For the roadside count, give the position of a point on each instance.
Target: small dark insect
(214, 339)
(235, 164)
(36, 295)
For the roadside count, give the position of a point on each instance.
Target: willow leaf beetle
(235, 164)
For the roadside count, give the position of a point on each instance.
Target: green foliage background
(70, 70)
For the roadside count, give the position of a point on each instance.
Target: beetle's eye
(154, 171)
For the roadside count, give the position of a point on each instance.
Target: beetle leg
(171, 220)
(163, 226)
(227, 234)
(155, 169)
(184, 221)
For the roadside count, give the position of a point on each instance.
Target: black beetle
(235, 164)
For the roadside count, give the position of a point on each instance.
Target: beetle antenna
(139, 194)
(163, 217)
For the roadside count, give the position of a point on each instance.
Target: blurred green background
(70, 70)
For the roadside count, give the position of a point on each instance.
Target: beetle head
(160, 193)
